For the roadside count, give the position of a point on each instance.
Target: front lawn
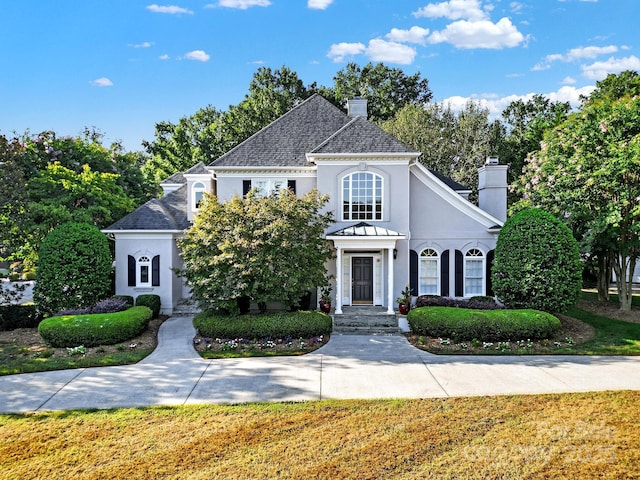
(591, 328)
(583, 435)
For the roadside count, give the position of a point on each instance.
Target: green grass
(613, 337)
(613, 298)
(15, 359)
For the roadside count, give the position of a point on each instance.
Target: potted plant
(404, 300)
(325, 298)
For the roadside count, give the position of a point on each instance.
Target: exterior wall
(395, 174)
(230, 184)
(440, 225)
(150, 244)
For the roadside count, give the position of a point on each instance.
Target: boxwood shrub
(476, 303)
(94, 329)
(274, 325)
(487, 325)
(151, 301)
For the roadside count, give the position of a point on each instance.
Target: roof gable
(286, 140)
(166, 213)
(362, 136)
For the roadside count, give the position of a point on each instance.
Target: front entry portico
(362, 251)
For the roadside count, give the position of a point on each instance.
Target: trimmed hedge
(274, 325)
(94, 329)
(475, 303)
(19, 316)
(151, 301)
(126, 298)
(488, 325)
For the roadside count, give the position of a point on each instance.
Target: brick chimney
(492, 188)
(357, 107)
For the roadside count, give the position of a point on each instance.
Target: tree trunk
(625, 292)
(604, 275)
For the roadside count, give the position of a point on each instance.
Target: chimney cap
(492, 161)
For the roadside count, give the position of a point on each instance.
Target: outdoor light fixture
(395, 253)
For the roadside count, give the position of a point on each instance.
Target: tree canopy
(64, 179)
(267, 248)
(588, 172)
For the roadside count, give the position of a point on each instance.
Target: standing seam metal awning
(363, 229)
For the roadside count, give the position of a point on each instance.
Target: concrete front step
(365, 320)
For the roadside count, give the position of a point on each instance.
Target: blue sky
(123, 65)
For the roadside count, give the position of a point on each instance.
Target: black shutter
(155, 271)
(291, 185)
(246, 186)
(131, 271)
(459, 274)
(444, 274)
(490, 257)
(413, 272)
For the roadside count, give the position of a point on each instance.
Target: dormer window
(362, 196)
(198, 191)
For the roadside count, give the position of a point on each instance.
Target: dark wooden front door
(362, 280)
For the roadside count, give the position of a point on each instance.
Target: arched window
(143, 271)
(362, 196)
(474, 273)
(198, 190)
(429, 272)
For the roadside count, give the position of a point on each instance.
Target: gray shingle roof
(166, 213)
(176, 178)
(449, 182)
(286, 141)
(199, 168)
(361, 136)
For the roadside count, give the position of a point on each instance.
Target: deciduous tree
(265, 248)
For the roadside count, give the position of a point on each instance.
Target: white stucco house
(397, 222)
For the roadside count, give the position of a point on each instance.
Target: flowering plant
(405, 296)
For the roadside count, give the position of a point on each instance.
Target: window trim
(197, 188)
(483, 258)
(143, 266)
(438, 279)
(377, 207)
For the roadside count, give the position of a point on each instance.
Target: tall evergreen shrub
(537, 263)
(74, 265)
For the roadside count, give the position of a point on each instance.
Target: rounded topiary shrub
(151, 301)
(91, 330)
(74, 266)
(537, 263)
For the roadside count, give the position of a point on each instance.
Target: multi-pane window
(474, 273)
(429, 272)
(268, 186)
(362, 196)
(143, 271)
(198, 190)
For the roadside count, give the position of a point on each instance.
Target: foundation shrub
(275, 325)
(485, 325)
(18, 316)
(151, 301)
(91, 330)
(475, 303)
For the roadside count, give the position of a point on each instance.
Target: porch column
(390, 293)
(338, 308)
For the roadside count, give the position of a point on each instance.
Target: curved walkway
(349, 366)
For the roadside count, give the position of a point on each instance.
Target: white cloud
(170, 9)
(413, 35)
(453, 10)
(496, 104)
(599, 70)
(479, 34)
(241, 4)
(568, 81)
(198, 55)
(380, 50)
(164, 57)
(339, 51)
(101, 82)
(319, 4)
(575, 54)
(141, 45)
